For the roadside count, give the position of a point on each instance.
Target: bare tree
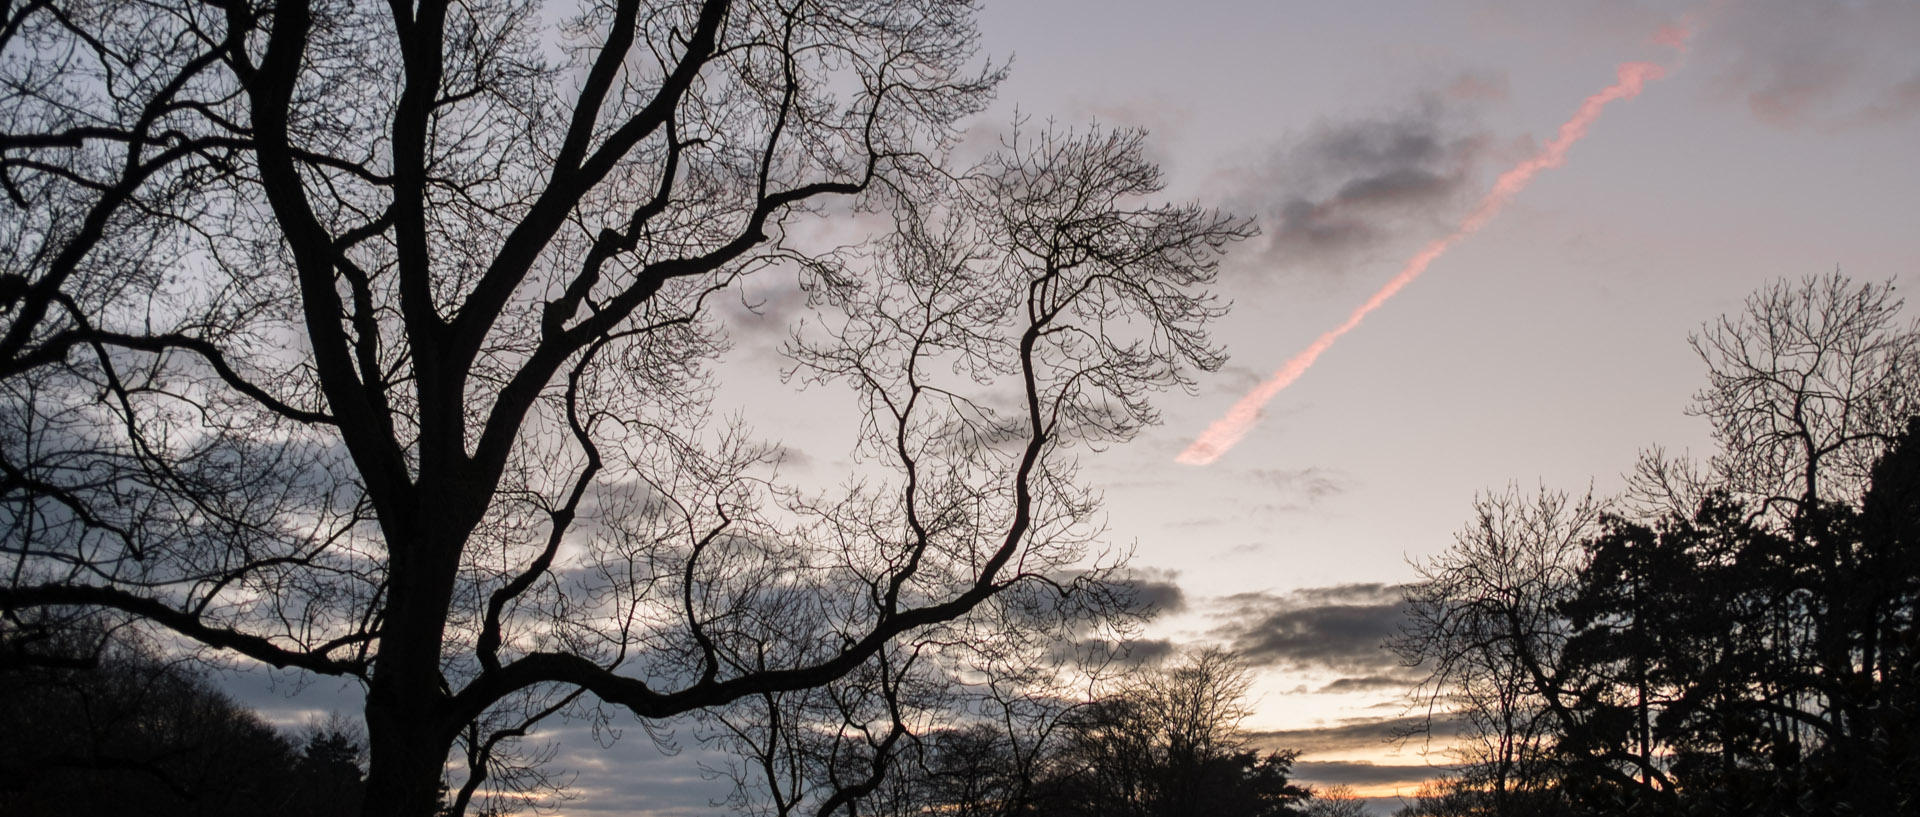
(1031, 271)
(1335, 801)
(1168, 742)
(370, 340)
(1620, 662)
(1486, 623)
(1806, 386)
(826, 749)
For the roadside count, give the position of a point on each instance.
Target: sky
(1548, 348)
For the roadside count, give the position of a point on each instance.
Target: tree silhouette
(1162, 741)
(1742, 646)
(1806, 386)
(99, 724)
(1168, 743)
(331, 766)
(1485, 622)
(376, 341)
(1335, 801)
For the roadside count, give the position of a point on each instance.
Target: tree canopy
(378, 341)
(1734, 639)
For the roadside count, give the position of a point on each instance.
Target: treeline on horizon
(102, 723)
(117, 728)
(1734, 637)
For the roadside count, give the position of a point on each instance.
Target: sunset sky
(1547, 348)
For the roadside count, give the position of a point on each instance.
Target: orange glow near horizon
(1240, 419)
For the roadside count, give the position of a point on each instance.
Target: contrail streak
(1239, 420)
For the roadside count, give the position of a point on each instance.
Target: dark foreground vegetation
(1164, 742)
(1741, 638)
(110, 728)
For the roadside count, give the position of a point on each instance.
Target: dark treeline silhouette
(106, 726)
(103, 726)
(1732, 639)
(1164, 743)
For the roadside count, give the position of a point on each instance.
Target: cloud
(1895, 105)
(1360, 773)
(1302, 488)
(792, 458)
(1078, 604)
(1351, 735)
(1156, 590)
(289, 698)
(1488, 87)
(634, 776)
(760, 311)
(1348, 188)
(1139, 652)
(1788, 63)
(1837, 65)
(1367, 683)
(1340, 628)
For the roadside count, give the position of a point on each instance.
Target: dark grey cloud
(1351, 735)
(1362, 773)
(1368, 683)
(1136, 653)
(632, 776)
(1146, 590)
(288, 699)
(1369, 592)
(1340, 628)
(622, 499)
(635, 776)
(792, 458)
(1077, 603)
(1157, 590)
(1345, 189)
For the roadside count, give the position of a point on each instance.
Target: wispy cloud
(1351, 735)
(1136, 653)
(1346, 189)
(1361, 774)
(635, 776)
(1793, 63)
(1340, 628)
(1302, 488)
(1368, 683)
(1478, 87)
(1157, 590)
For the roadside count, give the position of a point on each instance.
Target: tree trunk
(407, 734)
(407, 741)
(406, 758)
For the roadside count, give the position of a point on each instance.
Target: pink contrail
(1228, 430)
